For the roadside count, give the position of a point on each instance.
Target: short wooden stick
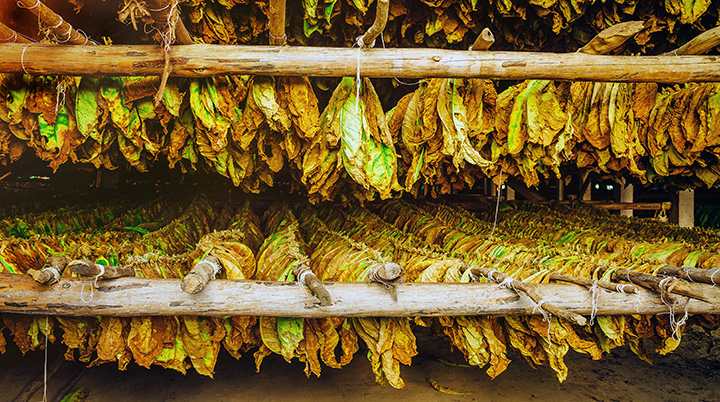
(529, 291)
(200, 275)
(711, 276)
(51, 272)
(91, 269)
(306, 277)
(612, 286)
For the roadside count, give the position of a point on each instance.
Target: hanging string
(360, 44)
(45, 364)
(594, 296)
(396, 79)
(497, 209)
(22, 5)
(22, 59)
(93, 285)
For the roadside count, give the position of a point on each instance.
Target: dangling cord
(497, 208)
(360, 44)
(45, 379)
(396, 79)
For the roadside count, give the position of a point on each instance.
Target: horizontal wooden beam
(210, 60)
(127, 297)
(629, 206)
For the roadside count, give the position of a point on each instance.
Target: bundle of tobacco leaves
(432, 242)
(527, 25)
(354, 139)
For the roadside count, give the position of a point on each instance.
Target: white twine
(22, 5)
(22, 59)
(45, 364)
(675, 324)
(620, 288)
(507, 283)
(60, 22)
(60, 89)
(303, 274)
(94, 284)
(360, 45)
(216, 268)
(594, 296)
(54, 272)
(712, 277)
(497, 209)
(537, 307)
(490, 274)
(398, 80)
(12, 38)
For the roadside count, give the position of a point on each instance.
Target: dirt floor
(620, 377)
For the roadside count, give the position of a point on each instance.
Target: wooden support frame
(211, 60)
(128, 297)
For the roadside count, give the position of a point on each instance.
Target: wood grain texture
(210, 60)
(128, 297)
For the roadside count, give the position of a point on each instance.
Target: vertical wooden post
(561, 189)
(587, 194)
(686, 208)
(627, 195)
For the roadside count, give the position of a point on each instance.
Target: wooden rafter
(210, 60)
(63, 31)
(163, 297)
(8, 35)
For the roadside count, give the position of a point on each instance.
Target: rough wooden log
(700, 44)
(276, 21)
(200, 275)
(51, 272)
(680, 287)
(8, 35)
(629, 206)
(92, 270)
(710, 276)
(531, 292)
(378, 26)
(63, 31)
(132, 297)
(612, 286)
(306, 277)
(210, 60)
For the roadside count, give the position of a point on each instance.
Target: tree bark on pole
(276, 17)
(211, 60)
(134, 297)
(63, 31)
(8, 35)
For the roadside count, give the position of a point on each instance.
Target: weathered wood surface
(143, 297)
(209, 60)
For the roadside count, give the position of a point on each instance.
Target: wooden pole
(8, 35)
(276, 17)
(627, 195)
(133, 297)
(612, 286)
(210, 60)
(63, 31)
(200, 275)
(678, 287)
(700, 44)
(531, 292)
(378, 26)
(686, 208)
(711, 276)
